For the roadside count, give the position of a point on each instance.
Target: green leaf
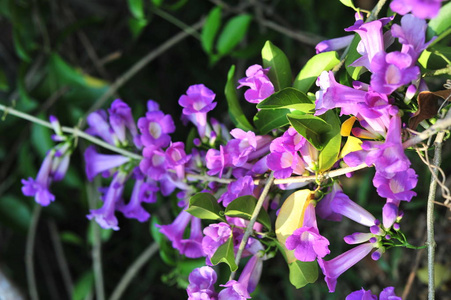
(71, 238)
(288, 98)
(136, 7)
(225, 254)
(83, 287)
(41, 138)
(354, 72)
(210, 29)
(136, 26)
(15, 213)
(244, 206)
(332, 141)
(4, 85)
(269, 119)
(312, 128)
(348, 3)
(233, 33)
(313, 68)
(303, 273)
(235, 111)
(205, 206)
(440, 23)
(167, 252)
(277, 61)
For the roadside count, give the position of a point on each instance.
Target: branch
(440, 125)
(74, 131)
(133, 270)
(249, 227)
(29, 250)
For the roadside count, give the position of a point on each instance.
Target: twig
(96, 252)
(376, 10)
(441, 124)
(250, 226)
(61, 258)
(176, 22)
(74, 131)
(141, 64)
(430, 215)
(29, 253)
(303, 37)
(133, 270)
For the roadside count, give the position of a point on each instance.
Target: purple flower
(348, 208)
(423, 9)
(39, 187)
(411, 34)
(389, 294)
(306, 241)
(324, 208)
(121, 119)
(334, 44)
(98, 163)
(104, 216)
(241, 187)
(196, 103)
(234, 290)
(398, 187)
(191, 247)
(99, 126)
(332, 95)
(215, 236)
(201, 284)
(241, 146)
(154, 163)
(155, 128)
(333, 268)
(260, 87)
(392, 70)
(217, 160)
(134, 209)
(361, 295)
(176, 158)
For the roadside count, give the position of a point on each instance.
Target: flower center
(155, 130)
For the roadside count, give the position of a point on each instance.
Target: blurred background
(69, 57)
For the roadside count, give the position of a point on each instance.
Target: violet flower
(361, 295)
(217, 161)
(154, 163)
(324, 208)
(104, 216)
(97, 163)
(334, 44)
(333, 268)
(389, 294)
(308, 244)
(201, 284)
(120, 117)
(391, 71)
(99, 126)
(196, 103)
(260, 87)
(398, 187)
(423, 9)
(155, 128)
(243, 186)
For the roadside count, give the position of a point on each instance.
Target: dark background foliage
(61, 57)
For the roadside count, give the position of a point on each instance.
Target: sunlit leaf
(277, 61)
(136, 7)
(332, 142)
(352, 144)
(312, 128)
(312, 69)
(269, 119)
(290, 218)
(440, 23)
(288, 98)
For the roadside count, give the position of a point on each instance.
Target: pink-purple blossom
(423, 9)
(260, 87)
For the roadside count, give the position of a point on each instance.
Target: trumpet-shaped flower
(97, 163)
(155, 128)
(201, 284)
(423, 9)
(260, 87)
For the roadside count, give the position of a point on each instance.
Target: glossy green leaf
(332, 142)
(440, 23)
(225, 254)
(303, 273)
(243, 207)
(312, 128)
(354, 72)
(205, 206)
(233, 32)
(210, 29)
(269, 119)
(236, 113)
(348, 3)
(136, 26)
(313, 68)
(136, 7)
(288, 98)
(277, 61)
